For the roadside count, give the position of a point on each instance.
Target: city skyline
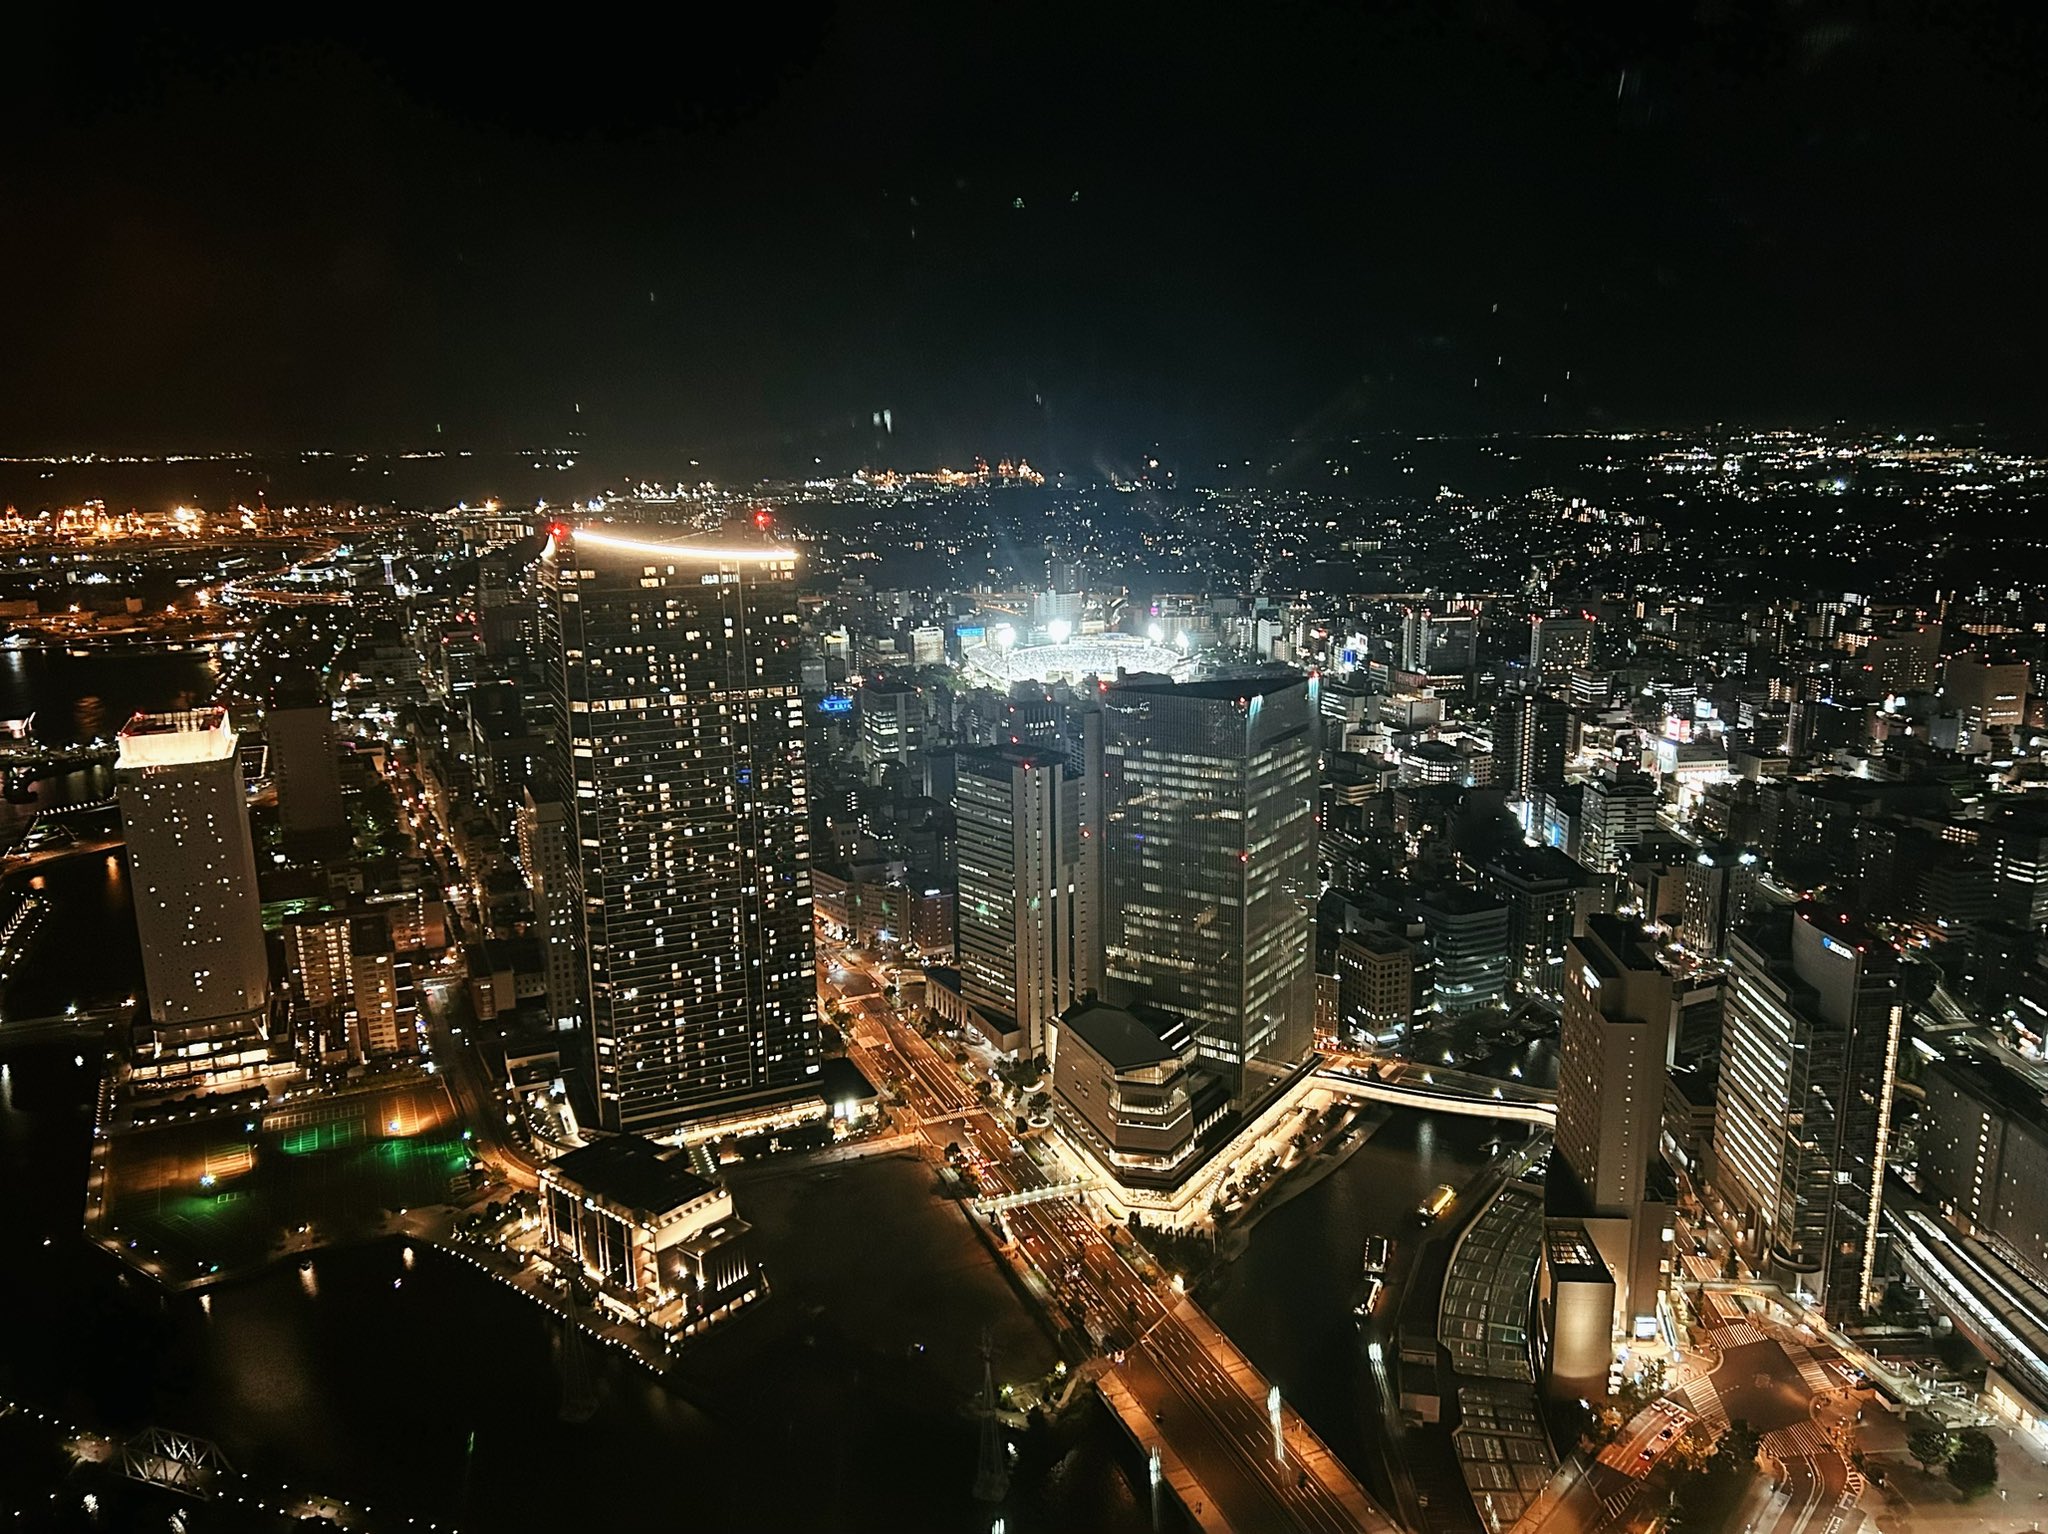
(1115, 770)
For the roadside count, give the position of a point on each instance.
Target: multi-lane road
(1207, 1406)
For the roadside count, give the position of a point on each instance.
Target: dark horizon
(1319, 226)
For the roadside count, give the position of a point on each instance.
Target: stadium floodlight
(1058, 630)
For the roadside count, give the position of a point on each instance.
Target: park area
(196, 1200)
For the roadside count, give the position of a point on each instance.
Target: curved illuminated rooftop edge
(1100, 655)
(707, 548)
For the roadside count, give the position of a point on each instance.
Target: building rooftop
(1615, 943)
(1530, 866)
(176, 739)
(634, 1173)
(2014, 1094)
(1129, 1038)
(1222, 689)
(747, 542)
(1573, 1257)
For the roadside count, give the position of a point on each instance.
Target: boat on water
(1433, 1207)
(1369, 1301)
(1378, 1249)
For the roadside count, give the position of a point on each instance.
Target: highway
(1207, 1405)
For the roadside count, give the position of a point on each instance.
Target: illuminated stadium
(1070, 659)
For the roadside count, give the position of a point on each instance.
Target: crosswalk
(1817, 1379)
(1802, 1440)
(1705, 1402)
(1737, 1334)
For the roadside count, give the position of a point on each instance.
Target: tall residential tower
(672, 665)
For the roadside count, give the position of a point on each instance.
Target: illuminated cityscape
(1130, 773)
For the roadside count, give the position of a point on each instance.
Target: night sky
(1069, 232)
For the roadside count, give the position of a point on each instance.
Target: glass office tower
(1211, 865)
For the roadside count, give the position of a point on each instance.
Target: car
(1648, 1454)
(1667, 1432)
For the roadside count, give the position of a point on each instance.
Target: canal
(1287, 1300)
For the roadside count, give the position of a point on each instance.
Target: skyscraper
(1985, 696)
(1614, 1044)
(1211, 865)
(1809, 1049)
(1534, 741)
(547, 854)
(305, 761)
(1615, 1039)
(193, 864)
(892, 726)
(1437, 643)
(679, 732)
(1025, 851)
(1620, 813)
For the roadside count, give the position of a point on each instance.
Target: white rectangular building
(193, 867)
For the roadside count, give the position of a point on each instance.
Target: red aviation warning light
(764, 519)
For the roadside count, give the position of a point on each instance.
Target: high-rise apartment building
(192, 861)
(1534, 742)
(1809, 1051)
(380, 989)
(1028, 886)
(1211, 865)
(672, 666)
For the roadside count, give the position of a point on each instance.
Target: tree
(1728, 1264)
(1973, 1462)
(1693, 1451)
(1641, 1388)
(1930, 1443)
(1738, 1445)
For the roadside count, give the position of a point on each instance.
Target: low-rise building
(1126, 1090)
(658, 1240)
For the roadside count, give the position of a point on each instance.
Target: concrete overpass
(1439, 1089)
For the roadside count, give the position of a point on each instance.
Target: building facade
(1027, 862)
(1809, 1055)
(679, 728)
(547, 855)
(192, 863)
(1211, 865)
